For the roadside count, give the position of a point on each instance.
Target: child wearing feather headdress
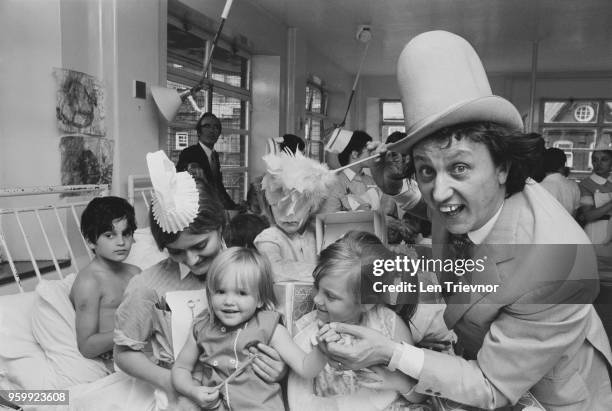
(294, 186)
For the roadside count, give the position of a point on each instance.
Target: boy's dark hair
(358, 142)
(395, 137)
(292, 143)
(554, 160)
(243, 229)
(98, 216)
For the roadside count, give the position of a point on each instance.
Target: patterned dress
(222, 350)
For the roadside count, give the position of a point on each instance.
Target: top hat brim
(491, 108)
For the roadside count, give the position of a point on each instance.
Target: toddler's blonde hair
(253, 271)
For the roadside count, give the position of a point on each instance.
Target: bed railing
(44, 230)
(139, 187)
(139, 194)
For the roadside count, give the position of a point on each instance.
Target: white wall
(30, 47)
(266, 103)
(115, 41)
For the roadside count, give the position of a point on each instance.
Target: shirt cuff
(408, 359)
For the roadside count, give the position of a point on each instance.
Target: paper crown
(175, 198)
(603, 143)
(296, 175)
(338, 141)
(442, 83)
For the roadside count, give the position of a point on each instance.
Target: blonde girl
(241, 311)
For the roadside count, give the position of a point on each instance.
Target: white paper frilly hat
(175, 199)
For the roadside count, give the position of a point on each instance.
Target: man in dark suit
(207, 159)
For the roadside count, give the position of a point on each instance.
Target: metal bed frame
(29, 239)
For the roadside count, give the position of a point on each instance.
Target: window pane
(316, 150)
(315, 130)
(231, 149)
(230, 110)
(229, 68)
(186, 112)
(570, 111)
(569, 139)
(308, 102)
(314, 99)
(185, 51)
(392, 111)
(608, 112)
(174, 134)
(234, 185)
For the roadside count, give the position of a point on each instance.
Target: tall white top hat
(443, 83)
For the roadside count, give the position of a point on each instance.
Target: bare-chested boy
(108, 225)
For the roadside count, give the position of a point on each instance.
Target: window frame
(385, 124)
(599, 127)
(311, 117)
(211, 88)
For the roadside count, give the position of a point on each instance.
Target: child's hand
(327, 334)
(381, 378)
(268, 365)
(206, 397)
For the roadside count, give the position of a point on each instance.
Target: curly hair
(520, 154)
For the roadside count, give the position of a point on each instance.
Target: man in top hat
(524, 319)
(596, 194)
(206, 159)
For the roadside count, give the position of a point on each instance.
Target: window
(316, 110)
(226, 93)
(182, 140)
(575, 126)
(392, 118)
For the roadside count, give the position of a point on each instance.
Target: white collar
(183, 271)
(478, 236)
(207, 150)
(598, 179)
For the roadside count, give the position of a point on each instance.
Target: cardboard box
(295, 299)
(330, 227)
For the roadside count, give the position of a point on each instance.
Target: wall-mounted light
(169, 101)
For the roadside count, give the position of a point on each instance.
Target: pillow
(22, 361)
(53, 327)
(144, 252)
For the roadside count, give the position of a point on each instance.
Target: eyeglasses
(214, 126)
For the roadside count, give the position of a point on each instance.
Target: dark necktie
(461, 247)
(214, 164)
